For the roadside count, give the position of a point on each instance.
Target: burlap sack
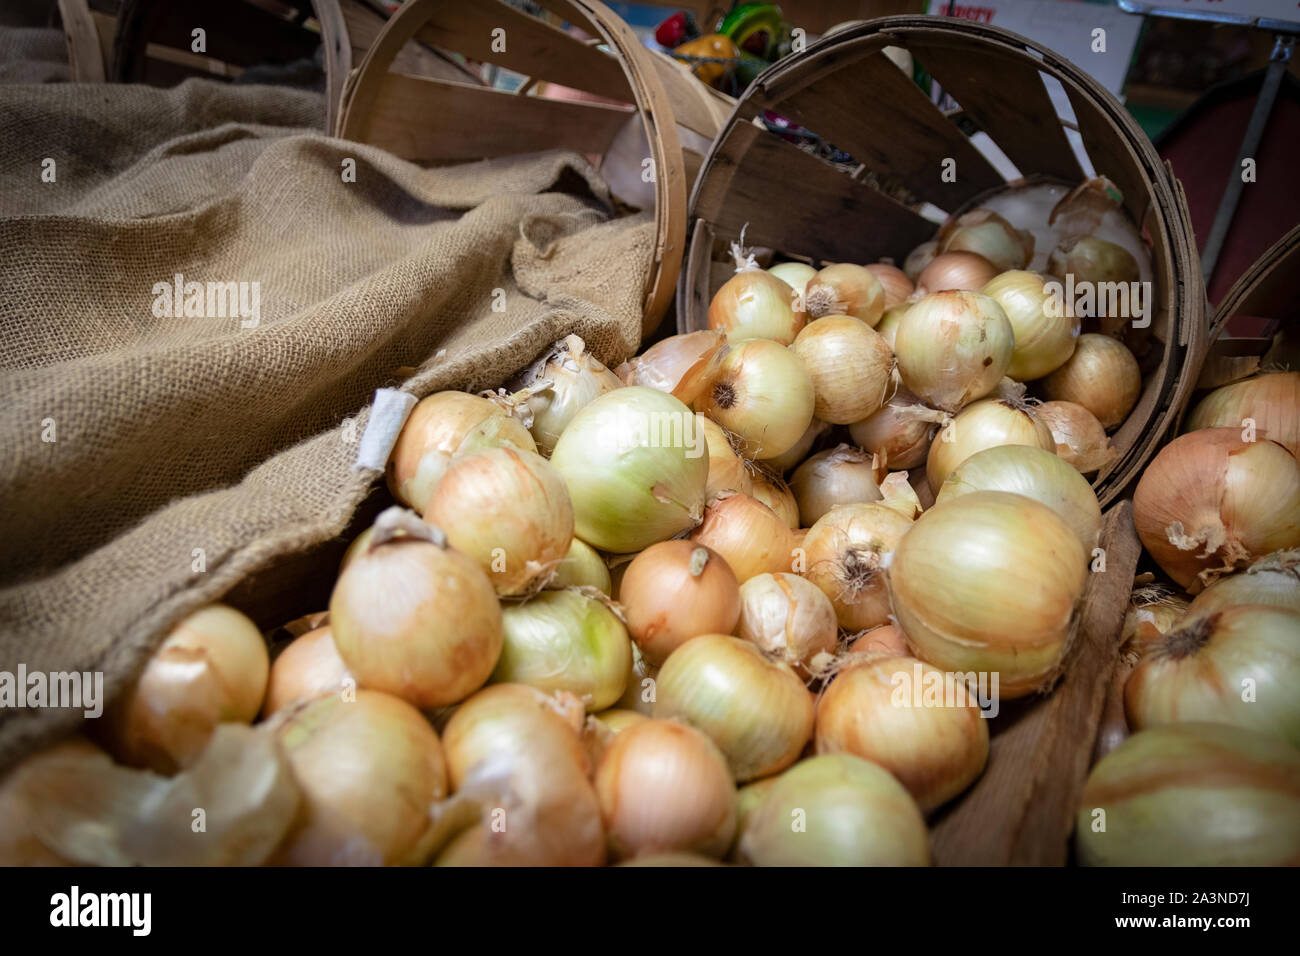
(151, 464)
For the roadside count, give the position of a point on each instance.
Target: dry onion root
(845, 554)
(762, 394)
(676, 590)
(1080, 438)
(845, 289)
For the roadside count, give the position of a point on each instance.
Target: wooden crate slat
(1111, 156)
(691, 106)
(235, 32)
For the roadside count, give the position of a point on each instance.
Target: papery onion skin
(672, 592)
(1208, 491)
(1192, 795)
(790, 620)
(878, 709)
(750, 536)
(1080, 438)
(1045, 333)
(369, 769)
(842, 475)
(919, 258)
(1101, 375)
(439, 428)
(844, 555)
(582, 567)
(636, 467)
(763, 395)
(664, 787)
(794, 274)
(754, 304)
(1094, 260)
(576, 378)
(850, 367)
(845, 289)
(757, 711)
(855, 814)
(901, 431)
(509, 510)
(989, 423)
(1237, 666)
(309, 667)
(957, 585)
(565, 641)
(774, 493)
(680, 365)
(985, 233)
(727, 470)
(1034, 473)
(953, 348)
(1273, 580)
(898, 287)
(955, 272)
(1271, 400)
(20, 843)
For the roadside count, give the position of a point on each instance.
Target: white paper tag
(387, 416)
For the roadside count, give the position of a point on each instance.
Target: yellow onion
(794, 274)
(565, 641)
(439, 428)
(985, 233)
(953, 347)
(889, 322)
(898, 287)
(676, 590)
(636, 467)
(582, 567)
(616, 719)
(1237, 666)
(1273, 580)
(1093, 260)
(509, 510)
(1153, 611)
(900, 432)
(680, 365)
(308, 668)
(836, 810)
(369, 770)
(900, 495)
(1036, 474)
(1210, 502)
(763, 395)
(1192, 795)
(776, 494)
(799, 451)
(1271, 400)
(1102, 375)
(559, 385)
(1080, 438)
(918, 259)
(20, 842)
(845, 554)
(748, 799)
(790, 620)
(886, 640)
(520, 777)
(921, 725)
(750, 536)
(955, 272)
(727, 470)
(756, 710)
(986, 424)
(754, 304)
(415, 618)
(842, 475)
(211, 668)
(958, 584)
(1045, 331)
(665, 787)
(845, 289)
(1096, 208)
(850, 367)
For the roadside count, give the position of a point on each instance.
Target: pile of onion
(842, 475)
(850, 366)
(845, 289)
(1271, 400)
(790, 620)
(676, 590)
(845, 555)
(985, 424)
(558, 385)
(750, 536)
(762, 394)
(953, 347)
(1101, 375)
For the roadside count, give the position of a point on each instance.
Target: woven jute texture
(148, 463)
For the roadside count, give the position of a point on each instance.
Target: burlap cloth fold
(148, 463)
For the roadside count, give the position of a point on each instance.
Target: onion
(953, 347)
(1235, 666)
(415, 618)
(582, 567)
(665, 787)
(910, 718)
(898, 287)
(636, 468)
(749, 535)
(900, 432)
(1210, 502)
(1192, 795)
(836, 810)
(369, 770)
(565, 641)
(987, 234)
(1273, 581)
(1079, 437)
(509, 510)
(845, 289)
(1029, 206)
(727, 470)
(756, 710)
(521, 780)
(559, 385)
(748, 799)
(1102, 375)
(958, 586)
(789, 620)
(1093, 260)
(439, 428)
(616, 719)
(776, 494)
(842, 475)
(955, 272)
(1036, 474)
(211, 668)
(850, 367)
(20, 843)
(986, 424)
(676, 590)
(308, 668)
(763, 395)
(794, 274)
(754, 304)
(1271, 400)
(918, 259)
(900, 495)
(799, 451)
(1045, 332)
(1095, 208)
(889, 322)
(845, 554)
(886, 640)
(680, 365)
